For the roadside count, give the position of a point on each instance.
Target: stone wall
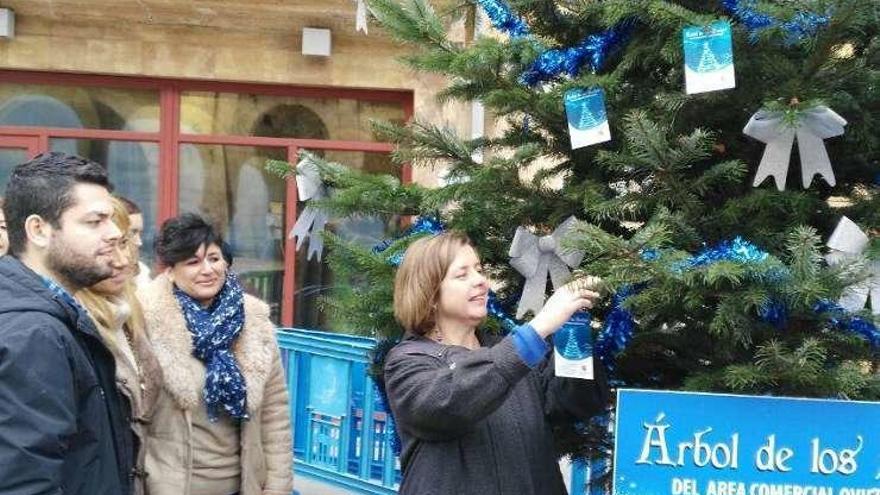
(220, 40)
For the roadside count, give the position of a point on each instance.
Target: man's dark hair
(130, 206)
(181, 236)
(43, 186)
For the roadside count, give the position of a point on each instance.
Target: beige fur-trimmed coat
(141, 386)
(266, 438)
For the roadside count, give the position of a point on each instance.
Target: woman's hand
(565, 301)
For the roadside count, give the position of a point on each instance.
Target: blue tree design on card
(587, 120)
(573, 341)
(708, 60)
(585, 109)
(708, 49)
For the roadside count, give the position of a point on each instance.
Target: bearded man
(64, 427)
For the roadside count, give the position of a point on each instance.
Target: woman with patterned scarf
(221, 424)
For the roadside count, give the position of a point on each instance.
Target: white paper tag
(708, 58)
(587, 118)
(573, 348)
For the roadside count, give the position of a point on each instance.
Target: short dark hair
(130, 206)
(183, 235)
(43, 187)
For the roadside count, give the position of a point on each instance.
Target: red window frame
(169, 137)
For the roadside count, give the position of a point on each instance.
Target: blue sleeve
(529, 345)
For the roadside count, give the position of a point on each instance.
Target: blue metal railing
(341, 434)
(340, 425)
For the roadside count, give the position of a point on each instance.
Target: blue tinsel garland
(503, 19)
(594, 49)
(620, 324)
(775, 313)
(618, 328)
(803, 25)
(738, 250)
(842, 320)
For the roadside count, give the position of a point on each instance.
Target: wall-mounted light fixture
(7, 24)
(316, 42)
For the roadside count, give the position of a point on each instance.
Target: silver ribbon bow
(534, 257)
(361, 16)
(312, 220)
(814, 126)
(848, 242)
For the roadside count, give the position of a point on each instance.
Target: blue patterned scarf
(214, 330)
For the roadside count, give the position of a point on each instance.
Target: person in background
(64, 426)
(136, 216)
(119, 318)
(4, 237)
(222, 421)
(475, 411)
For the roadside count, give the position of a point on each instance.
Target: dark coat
(479, 422)
(64, 428)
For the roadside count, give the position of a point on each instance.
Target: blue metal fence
(340, 427)
(341, 433)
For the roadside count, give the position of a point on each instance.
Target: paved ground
(305, 485)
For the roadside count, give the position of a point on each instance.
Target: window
(175, 145)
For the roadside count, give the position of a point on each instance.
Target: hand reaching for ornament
(574, 296)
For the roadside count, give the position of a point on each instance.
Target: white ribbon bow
(361, 16)
(312, 220)
(534, 257)
(814, 126)
(847, 242)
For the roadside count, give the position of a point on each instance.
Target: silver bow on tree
(534, 257)
(848, 242)
(812, 127)
(312, 220)
(361, 16)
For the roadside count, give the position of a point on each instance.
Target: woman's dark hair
(183, 235)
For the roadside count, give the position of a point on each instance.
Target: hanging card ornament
(708, 58)
(848, 242)
(536, 257)
(811, 128)
(312, 220)
(587, 118)
(573, 348)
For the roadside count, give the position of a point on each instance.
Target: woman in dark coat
(474, 411)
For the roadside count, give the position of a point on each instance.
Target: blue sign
(328, 393)
(678, 443)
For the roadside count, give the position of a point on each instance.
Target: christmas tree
(715, 283)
